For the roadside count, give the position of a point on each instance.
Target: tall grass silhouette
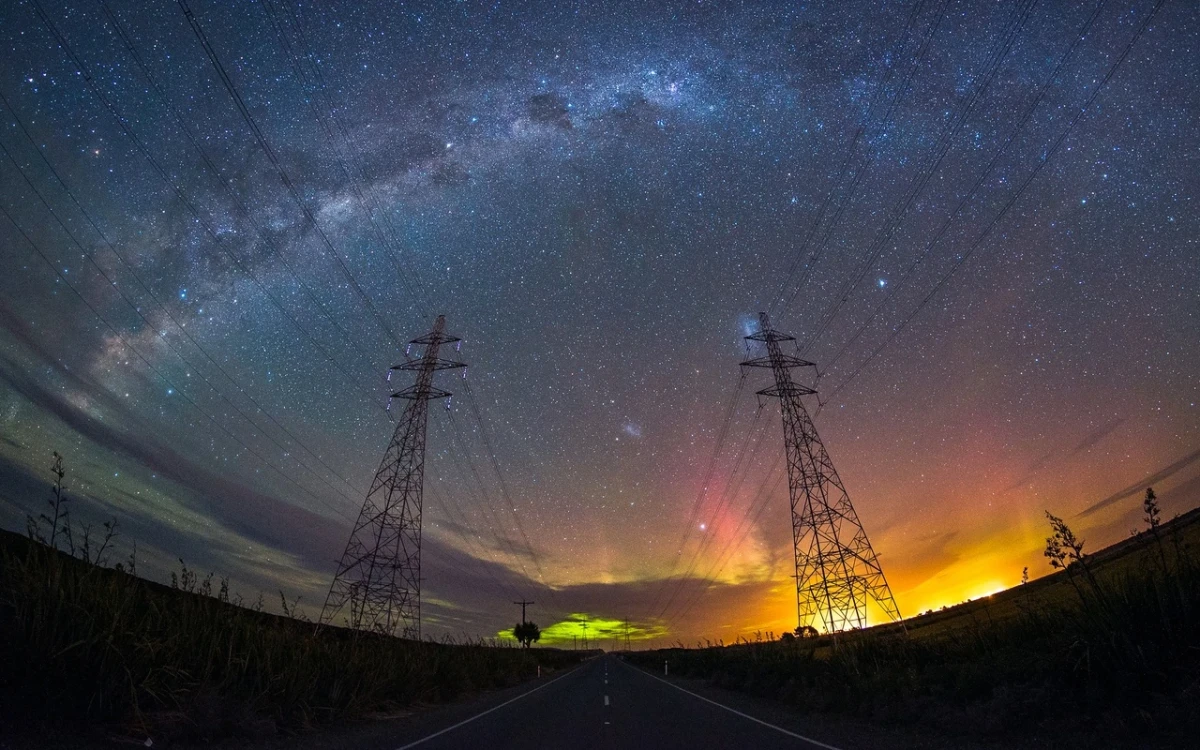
(83, 642)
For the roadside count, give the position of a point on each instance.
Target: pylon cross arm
(416, 393)
(779, 360)
(417, 365)
(791, 389)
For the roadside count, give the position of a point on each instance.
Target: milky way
(978, 219)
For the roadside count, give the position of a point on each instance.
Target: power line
(457, 519)
(123, 124)
(898, 211)
(731, 490)
(170, 316)
(448, 558)
(965, 256)
(475, 410)
(409, 278)
(754, 511)
(503, 539)
(984, 175)
(158, 332)
(239, 205)
(272, 157)
(722, 432)
(848, 194)
(458, 462)
(798, 255)
(170, 384)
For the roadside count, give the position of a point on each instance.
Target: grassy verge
(84, 644)
(1109, 648)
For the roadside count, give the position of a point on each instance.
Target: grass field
(82, 644)
(1108, 649)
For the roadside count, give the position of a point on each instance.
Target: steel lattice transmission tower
(379, 576)
(837, 572)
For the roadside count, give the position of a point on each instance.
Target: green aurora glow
(598, 631)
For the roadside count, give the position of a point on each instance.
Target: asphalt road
(606, 703)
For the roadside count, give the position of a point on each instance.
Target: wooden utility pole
(523, 605)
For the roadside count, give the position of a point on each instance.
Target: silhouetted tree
(1150, 507)
(1064, 550)
(1027, 604)
(61, 527)
(527, 633)
(807, 631)
(60, 523)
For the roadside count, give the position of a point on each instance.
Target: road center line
(779, 729)
(606, 700)
(427, 738)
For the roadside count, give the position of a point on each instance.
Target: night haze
(977, 219)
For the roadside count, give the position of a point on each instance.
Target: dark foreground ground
(88, 650)
(1108, 656)
(604, 703)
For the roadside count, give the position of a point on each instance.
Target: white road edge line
(779, 729)
(427, 738)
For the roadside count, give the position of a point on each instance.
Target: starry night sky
(199, 300)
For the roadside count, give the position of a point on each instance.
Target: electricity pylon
(837, 571)
(379, 575)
